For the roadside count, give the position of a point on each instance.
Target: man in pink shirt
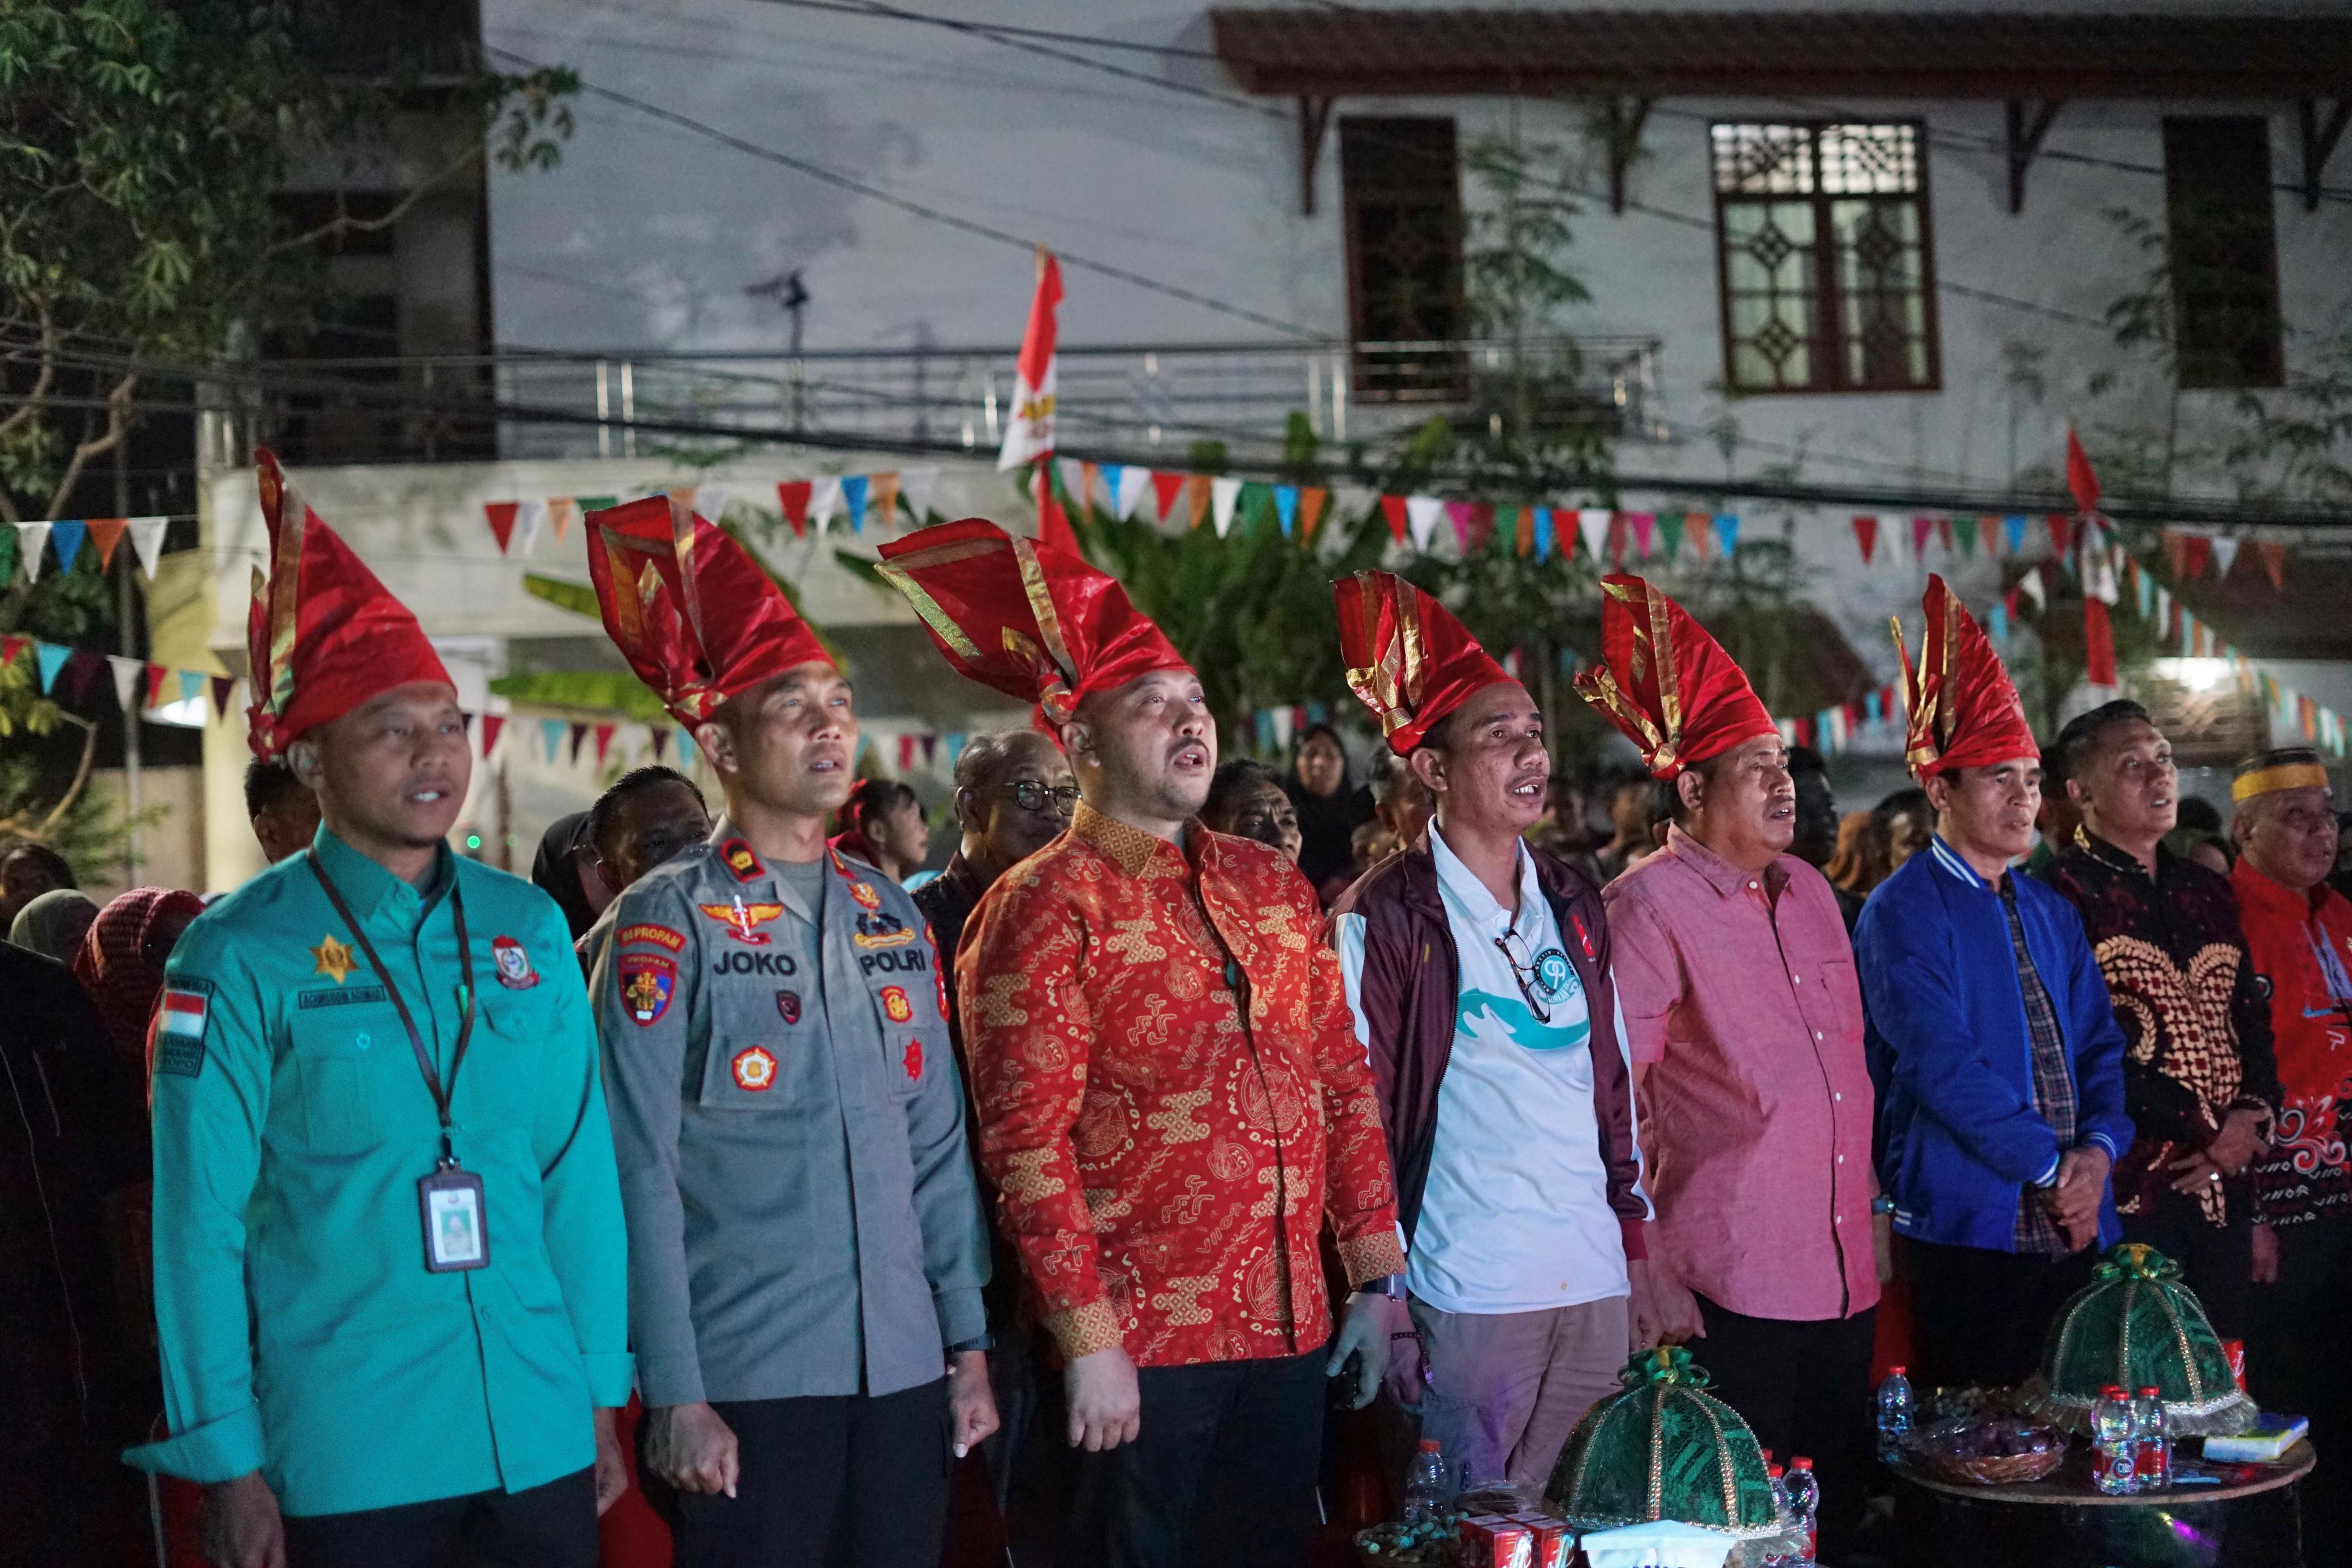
(1745, 1024)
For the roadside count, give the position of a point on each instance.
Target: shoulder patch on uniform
(740, 861)
(180, 1028)
(320, 997)
(659, 936)
(648, 981)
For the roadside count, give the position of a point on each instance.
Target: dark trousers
(836, 1480)
(2295, 1362)
(1222, 1475)
(1803, 1388)
(1979, 1316)
(2217, 1261)
(549, 1526)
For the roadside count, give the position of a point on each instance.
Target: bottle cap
(1895, 1372)
(1772, 1470)
(1430, 1445)
(1798, 1462)
(2148, 1394)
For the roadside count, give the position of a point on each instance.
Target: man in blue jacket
(1996, 1051)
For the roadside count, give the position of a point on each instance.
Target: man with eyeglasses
(1745, 1023)
(2201, 1084)
(1478, 970)
(1015, 794)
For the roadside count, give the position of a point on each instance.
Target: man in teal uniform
(390, 1268)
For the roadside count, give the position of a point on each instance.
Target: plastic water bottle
(1427, 1494)
(1804, 1490)
(2112, 1444)
(1784, 1520)
(1893, 1415)
(2151, 1443)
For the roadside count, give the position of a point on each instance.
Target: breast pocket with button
(338, 1067)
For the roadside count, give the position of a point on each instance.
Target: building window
(1401, 182)
(2224, 253)
(1827, 267)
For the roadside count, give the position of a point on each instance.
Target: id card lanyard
(449, 1201)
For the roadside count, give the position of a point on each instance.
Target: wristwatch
(1388, 1285)
(984, 1342)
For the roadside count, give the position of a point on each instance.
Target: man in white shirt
(1478, 969)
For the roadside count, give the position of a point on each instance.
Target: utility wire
(917, 209)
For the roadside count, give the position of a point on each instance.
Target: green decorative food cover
(1664, 1449)
(2136, 1325)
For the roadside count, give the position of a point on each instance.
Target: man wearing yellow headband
(2299, 937)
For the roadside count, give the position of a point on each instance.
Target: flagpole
(127, 601)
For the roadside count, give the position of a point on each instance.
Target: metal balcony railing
(1135, 402)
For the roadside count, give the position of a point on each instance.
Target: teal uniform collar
(370, 890)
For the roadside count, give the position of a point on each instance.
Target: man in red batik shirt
(1170, 1096)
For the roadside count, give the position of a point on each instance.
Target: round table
(2066, 1523)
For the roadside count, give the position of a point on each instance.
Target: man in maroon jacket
(1477, 968)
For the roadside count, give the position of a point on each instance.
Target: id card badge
(457, 1229)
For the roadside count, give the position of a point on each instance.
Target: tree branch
(118, 420)
(21, 825)
(344, 224)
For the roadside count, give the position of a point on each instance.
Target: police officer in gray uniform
(806, 1250)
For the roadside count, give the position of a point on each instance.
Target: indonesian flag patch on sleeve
(180, 1028)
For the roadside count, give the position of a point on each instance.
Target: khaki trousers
(1504, 1389)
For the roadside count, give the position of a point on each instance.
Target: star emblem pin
(334, 959)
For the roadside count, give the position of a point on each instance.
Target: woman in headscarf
(53, 923)
(121, 962)
(566, 871)
(1329, 810)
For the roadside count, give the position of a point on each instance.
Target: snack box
(1553, 1540)
(1492, 1541)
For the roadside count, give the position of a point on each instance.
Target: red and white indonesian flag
(1029, 434)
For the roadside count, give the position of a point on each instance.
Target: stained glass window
(1827, 272)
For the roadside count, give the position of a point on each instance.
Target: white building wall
(649, 234)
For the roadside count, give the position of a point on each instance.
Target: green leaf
(580, 598)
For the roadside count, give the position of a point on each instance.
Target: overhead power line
(917, 209)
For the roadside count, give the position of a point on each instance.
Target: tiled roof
(2157, 55)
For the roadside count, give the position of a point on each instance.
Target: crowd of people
(738, 1159)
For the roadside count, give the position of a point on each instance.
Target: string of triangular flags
(76, 668)
(855, 498)
(33, 545)
(570, 743)
(2095, 553)
(1178, 500)
(1962, 536)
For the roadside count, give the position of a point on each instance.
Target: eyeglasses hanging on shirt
(1523, 971)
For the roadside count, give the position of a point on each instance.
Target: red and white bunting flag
(1029, 433)
(501, 515)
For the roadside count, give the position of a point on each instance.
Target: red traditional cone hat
(1024, 618)
(1667, 684)
(322, 635)
(1964, 708)
(1408, 658)
(695, 617)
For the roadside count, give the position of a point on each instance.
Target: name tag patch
(659, 936)
(647, 982)
(323, 998)
(180, 1030)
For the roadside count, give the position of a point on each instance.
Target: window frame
(1829, 344)
(1389, 376)
(2265, 199)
